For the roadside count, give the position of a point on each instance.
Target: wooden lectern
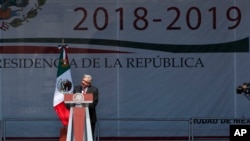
(79, 117)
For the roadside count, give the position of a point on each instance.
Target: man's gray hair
(87, 76)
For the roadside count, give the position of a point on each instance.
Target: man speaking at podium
(86, 88)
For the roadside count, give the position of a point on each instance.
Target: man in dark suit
(86, 88)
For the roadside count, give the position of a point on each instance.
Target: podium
(79, 127)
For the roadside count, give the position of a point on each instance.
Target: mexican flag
(63, 85)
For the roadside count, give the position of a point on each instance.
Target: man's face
(86, 82)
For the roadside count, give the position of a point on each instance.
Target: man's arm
(95, 96)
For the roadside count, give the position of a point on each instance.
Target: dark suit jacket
(92, 107)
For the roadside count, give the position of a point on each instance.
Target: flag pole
(62, 41)
(63, 74)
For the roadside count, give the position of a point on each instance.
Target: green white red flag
(63, 85)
